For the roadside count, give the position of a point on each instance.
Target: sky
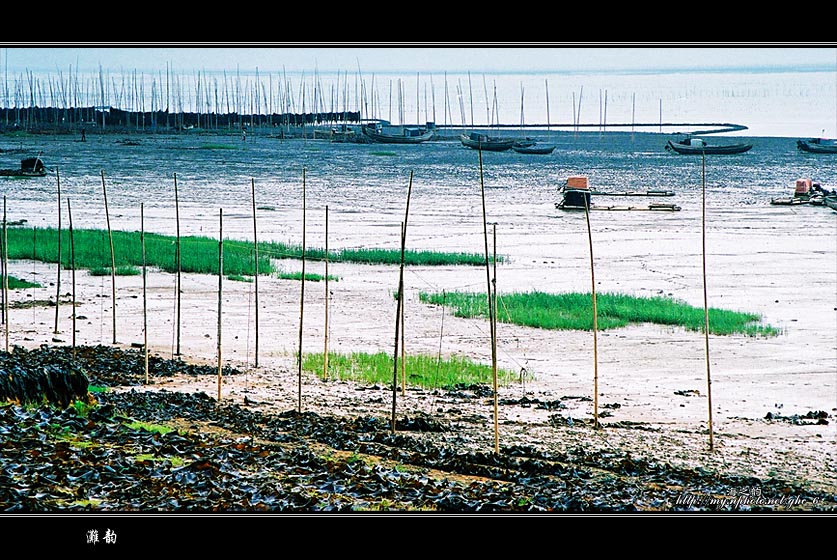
(397, 57)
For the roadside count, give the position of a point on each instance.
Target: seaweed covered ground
(137, 448)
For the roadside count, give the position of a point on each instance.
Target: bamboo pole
(399, 318)
(144, 293)
(706, 302)
(301, 300)
(5, 276)
(595, 321)
(220, 289)
(112, 257)
(256, 277)
(494, 352)
(58, 281)
(325, 343)
(397, 328)
(73, 271)
(494, 349)
(490, 298)
(177, 258)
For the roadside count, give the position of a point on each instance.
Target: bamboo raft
(634, 193)
(577, 196)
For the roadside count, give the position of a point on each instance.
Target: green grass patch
(573, 311)
(91, 248)
(174, 460)
(20, 284)
(421, 371)
(309, 276)
(239, 278)
(124, 270)
(153, 428)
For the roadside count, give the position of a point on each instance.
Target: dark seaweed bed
(63, 457)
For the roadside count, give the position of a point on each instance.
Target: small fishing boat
(576, 195)
(383, 133)
(698, 146)
(831, 202)
(817, 146)
(486, 143)
(806, 192)
(535, 148)
(29, 167)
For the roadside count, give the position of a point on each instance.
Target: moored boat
(533, 148)
(29, 167)
(806, 192)
(384, 134)
(484, 142)
(698, 146)
(817, 146)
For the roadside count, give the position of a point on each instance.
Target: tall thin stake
(325, 342)
(112, 257)
(144, 292)
(73, 272)
(220, 288)
(397, 329)
(256, 276)
(595, 321)
(494, 352)
(177, 259)
(401, 293)
(5, 275)
(490, 296)
(301, 301)
(58, 281)
(399, 316)
(706, 303)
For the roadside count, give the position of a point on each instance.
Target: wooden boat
(29, 167)
(696, 146)
(486, 143)
(806, 192)
(577, 196)
(534, 148)
(831, 202)
(817, 146)
(382, 134)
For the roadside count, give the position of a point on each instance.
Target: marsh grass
(198, 254)
(309, 276)
(123, 270)
(20, 284)
(421, 371)
(573, 311)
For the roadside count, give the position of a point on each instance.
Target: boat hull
(538, 150)
(813, 147)
(683, 149)
(486, 143)
(380, 138)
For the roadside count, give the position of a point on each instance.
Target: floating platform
(634, 193)
(615, 208)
